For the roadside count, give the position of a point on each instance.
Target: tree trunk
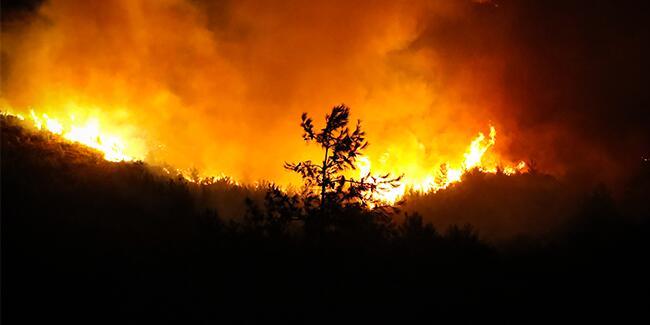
(323, 181)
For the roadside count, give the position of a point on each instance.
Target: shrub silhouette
(330, 201)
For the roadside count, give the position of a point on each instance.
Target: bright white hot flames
(448, 173)
(88, 132)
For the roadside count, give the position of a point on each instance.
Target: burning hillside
(441, 88)
(87, 238)
(324, 161)
(89, 132)
(215, 86)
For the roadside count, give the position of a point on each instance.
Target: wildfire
(88, 133)
(448, 173)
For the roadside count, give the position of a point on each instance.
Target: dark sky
(11, 7)
(577, 67)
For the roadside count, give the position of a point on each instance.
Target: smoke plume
(220, 85)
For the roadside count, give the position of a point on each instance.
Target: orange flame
(448, 174)
(118, 148)
(88, 133)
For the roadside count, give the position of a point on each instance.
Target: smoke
(220, 85)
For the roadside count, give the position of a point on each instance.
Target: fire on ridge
(449, 173)
(88, 132)
(92, 132)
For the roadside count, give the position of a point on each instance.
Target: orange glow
(219, 89)
(448, 173)
(90, 133)
(115, 148)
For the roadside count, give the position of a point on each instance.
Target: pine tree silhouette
(327, 189)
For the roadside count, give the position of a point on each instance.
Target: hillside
(86, 240)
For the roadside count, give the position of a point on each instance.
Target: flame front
(88, 133)
(116, 148)
(448, 173)
(477, 149)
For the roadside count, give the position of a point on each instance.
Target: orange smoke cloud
(220, 86)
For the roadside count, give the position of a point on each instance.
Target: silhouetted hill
(500, 206)
(90, 241)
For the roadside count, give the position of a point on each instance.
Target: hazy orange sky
(220, 85)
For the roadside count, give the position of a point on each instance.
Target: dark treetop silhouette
(341, 148)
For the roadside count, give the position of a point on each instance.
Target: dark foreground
(87, 241)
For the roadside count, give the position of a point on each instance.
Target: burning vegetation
(117, 76)
(494, 162)
(88, 234)
(116, 148)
